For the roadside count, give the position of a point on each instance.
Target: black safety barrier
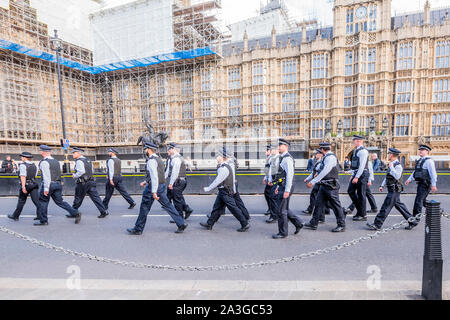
(432, 259)
(249, 183)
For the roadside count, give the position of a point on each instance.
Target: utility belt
(227, 190)
(395, 188)
(366, 171)
(279, 181)
(84, 180)
(331, 183)
(422, 178)
(28, 182)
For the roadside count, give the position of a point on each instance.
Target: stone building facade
(370, 73)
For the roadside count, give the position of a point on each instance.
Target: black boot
(13, 217)
(206, 226)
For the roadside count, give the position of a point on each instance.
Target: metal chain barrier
(211, 268)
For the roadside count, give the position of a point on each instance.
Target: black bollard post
(432, 260)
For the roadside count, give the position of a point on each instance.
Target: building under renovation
(371, 73)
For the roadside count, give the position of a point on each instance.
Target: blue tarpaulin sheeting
(143, 62)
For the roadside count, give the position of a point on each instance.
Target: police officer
(28, 186)
(268, 188)
(234, 165)
(426, 177)
(284, 189)
(313, 196)
(393, 182)
(155, 189)
(360, 177)
(269, 180)
(328, 193)
(176, 176)
(115, 180)
(225, 198)
(51, 187)
(369, 195)
(85, 183)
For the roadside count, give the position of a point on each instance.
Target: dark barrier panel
(249, 183)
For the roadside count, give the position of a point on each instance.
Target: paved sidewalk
(43, 289)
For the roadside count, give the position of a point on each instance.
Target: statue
(152, 137)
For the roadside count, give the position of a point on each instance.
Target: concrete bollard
(432, 259)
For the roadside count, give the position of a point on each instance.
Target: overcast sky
(70, 17)
(236, 10)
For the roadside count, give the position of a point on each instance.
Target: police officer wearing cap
(328, 193)
(115, 180)
(232, 162)
(155, 189)
(176, 177)
(393, 182)
(85, 183)
(28, 186)
(284, 190)
(269, 181)
(313, 196)
(51, 187)
(225, 199)
(425, 176)
(360, 178)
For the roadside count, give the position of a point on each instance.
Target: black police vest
(355, 160)
(87, 168)
(160, 171)
(317, 168)
(334, 173)
(182, 173)
(228, 182)
(281, 175)
(391, 181)
(55, 169)
(421, 174)
(117, 166)
(31, 171)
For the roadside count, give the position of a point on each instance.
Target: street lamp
(340, 126)
(372, 124)
(58, 47)
(385, 126)
(328, 126)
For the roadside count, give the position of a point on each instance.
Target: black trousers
(357, 193)
(267, 194)
(33, 192)
(224, 200)
(392, 200)
(370, 198)
(55, 192)
(423, 190)
(240, 203)
(147, 203)
(88, 188)
(176, 196)
(313, 202)
(285, 215)
(274, 204)
(328, 196)
(119, 186)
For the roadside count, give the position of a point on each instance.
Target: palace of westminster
(370, 73)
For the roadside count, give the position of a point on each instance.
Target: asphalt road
(398, 254)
